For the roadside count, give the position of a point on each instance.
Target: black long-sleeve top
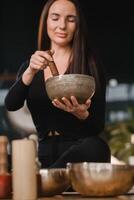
(47, 117)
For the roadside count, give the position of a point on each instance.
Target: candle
(24, 170)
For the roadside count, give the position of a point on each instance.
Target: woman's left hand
(71, 105)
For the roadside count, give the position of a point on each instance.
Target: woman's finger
(59, 104)
(37, 57)
(36, 62)
(88, 103)
(67, 102)
(74, 101)
(44, 54)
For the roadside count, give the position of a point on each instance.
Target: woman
(68, 131)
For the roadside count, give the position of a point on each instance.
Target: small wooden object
(53, 67)
(3, 155)
(5, 177)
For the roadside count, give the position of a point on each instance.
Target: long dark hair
(82, 60)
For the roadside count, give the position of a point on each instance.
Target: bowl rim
(52, 169)
(94, 165)
(71, 75)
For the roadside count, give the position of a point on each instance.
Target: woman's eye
(54, 18)
(72, 19)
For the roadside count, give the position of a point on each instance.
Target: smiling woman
(64, 136)
(61, 23)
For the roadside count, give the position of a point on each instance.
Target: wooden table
(76, 196)
(79, 197)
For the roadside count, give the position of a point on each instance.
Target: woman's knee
(91, 149)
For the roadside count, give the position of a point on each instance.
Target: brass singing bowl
(101, 179)
(54, 181)
(79, 85)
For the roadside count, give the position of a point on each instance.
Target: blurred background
(111, 28)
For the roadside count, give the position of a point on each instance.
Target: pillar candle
(24, 170)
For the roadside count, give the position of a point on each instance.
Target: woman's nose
(62, 24)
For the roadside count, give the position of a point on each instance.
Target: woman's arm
(96, 119)
(18, 91)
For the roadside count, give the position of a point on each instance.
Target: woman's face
(61, 22)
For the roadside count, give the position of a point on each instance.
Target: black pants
(57, 151)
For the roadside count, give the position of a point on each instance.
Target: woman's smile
(61, 35)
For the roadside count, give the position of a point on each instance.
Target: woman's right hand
(38, 61)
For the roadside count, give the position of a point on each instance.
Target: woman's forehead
(63, 6)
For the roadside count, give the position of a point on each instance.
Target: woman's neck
(61, 52)
(61, 57)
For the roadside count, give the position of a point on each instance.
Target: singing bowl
(101, 179)
(79, 85)
(54, 181)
